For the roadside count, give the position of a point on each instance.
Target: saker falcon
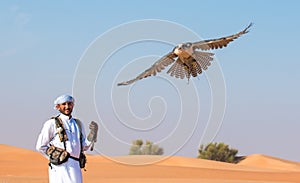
(187, 59)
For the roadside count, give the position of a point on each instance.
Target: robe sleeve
(45, 137)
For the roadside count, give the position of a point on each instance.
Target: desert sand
(20, 165)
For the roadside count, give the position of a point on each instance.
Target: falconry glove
(92, 136)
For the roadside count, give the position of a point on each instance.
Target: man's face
(65, 108)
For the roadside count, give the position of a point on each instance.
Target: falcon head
(183, 46)
(183, 50)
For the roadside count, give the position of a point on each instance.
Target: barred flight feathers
(158, 66)
(220, 42)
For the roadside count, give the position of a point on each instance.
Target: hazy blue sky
(42, 43)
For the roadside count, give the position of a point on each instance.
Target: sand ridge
(264, 161)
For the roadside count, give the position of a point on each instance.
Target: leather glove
(92, 136)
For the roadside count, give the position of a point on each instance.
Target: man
(69, 171)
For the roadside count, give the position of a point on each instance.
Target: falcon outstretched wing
(158, 66)
(220, 42)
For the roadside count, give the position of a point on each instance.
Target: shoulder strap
(61, 130)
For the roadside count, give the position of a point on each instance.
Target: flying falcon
(187, 59)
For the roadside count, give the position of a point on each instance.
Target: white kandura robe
(68, 172)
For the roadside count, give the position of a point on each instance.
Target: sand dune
(21, 165)
(263, 161)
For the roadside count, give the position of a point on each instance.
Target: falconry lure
(187, 59)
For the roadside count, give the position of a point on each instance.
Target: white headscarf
(62, 99)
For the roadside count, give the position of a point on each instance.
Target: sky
(248, 98)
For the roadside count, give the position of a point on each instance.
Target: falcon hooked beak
(187, 59)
